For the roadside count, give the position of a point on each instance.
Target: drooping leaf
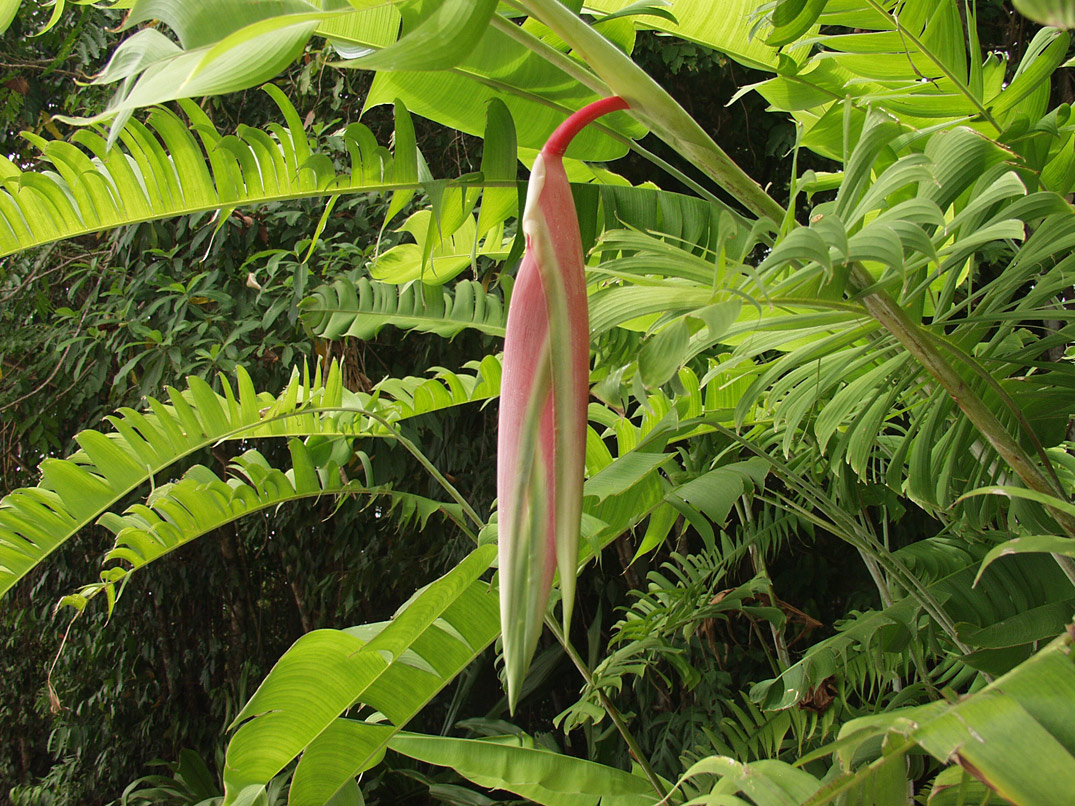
(435, 35)
(162, 171)
(538, 775)
(328, 671)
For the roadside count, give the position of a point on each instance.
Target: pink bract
(541, 447)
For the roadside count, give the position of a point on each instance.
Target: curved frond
(171, 167)
(939, 230)
(539, 775)
(1013, 735)
(179, 512)
(358, 307)
(35, 521)
(73, 492)
(748, 733)
(1003, 620)
(916, 60)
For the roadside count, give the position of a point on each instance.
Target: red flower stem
(561, 138)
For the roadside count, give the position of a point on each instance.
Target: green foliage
(162, 171)
(803, 592)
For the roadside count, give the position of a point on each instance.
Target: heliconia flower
(541, 448)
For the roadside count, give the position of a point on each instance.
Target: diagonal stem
(610, 709)
(959, 85)
(894, 319)
(653, 106)
(415, 451)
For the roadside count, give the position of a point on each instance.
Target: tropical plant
(878, 362)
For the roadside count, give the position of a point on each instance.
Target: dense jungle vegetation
(257, 263)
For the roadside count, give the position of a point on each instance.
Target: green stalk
(653, 106)
(578, 72)
(394, 433)
(914, 40)
(758, 561)
(846, 528)
(610, 709)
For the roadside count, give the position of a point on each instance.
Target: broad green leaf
(226, 46)
(201, 23)
(1037, 624)
(791, 19)
(714, 493)
(538, 95)
(664, 353)
(234, 63)
(1033, 544)
(1060, 13)
(345, 747)
(619, 305)
(327, 671)
(623, 473)
(538, 775)
(1014, 734)
(438, 255)
(660, 524)
(8, 10)
(1050, 501)
(766, 783)
(729, 32)
(436, 34)
(499, 163)
(375, 26)
(348, 746)
(955, 786)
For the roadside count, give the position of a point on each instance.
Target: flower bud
(541, 448)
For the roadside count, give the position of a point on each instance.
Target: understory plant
(869, 364)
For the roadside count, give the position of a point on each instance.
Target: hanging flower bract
(544, 392)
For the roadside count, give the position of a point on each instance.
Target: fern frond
(171, 167)
(358, 307)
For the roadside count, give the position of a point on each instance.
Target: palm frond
(171, 167)
(35, 521)
(73, 492)
(932, 228)
(1027, 708)
(1003, 620)
(178, 512)
(916, 59)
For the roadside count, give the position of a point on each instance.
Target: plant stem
(550, 54)
(413, 449)
(589, 80)
(758, 561)
(945, 71)
(653, 106)
(610, 709)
